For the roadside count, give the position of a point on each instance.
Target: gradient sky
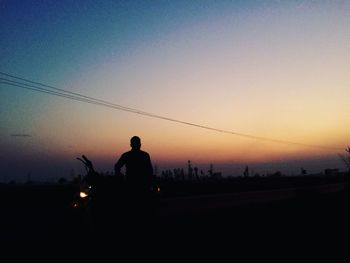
(275, 69)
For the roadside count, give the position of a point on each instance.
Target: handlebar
(87, 163)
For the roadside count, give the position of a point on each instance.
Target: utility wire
(43, 88)
(60, 94)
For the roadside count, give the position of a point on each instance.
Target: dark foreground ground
(247, 220)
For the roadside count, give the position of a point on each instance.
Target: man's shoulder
(132, 154)
(144, 153)
(126, 153)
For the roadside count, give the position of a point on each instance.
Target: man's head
(135, 142)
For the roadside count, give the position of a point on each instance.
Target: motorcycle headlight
(83, 194)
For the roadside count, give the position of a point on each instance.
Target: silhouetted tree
(12, 182)
(276, 174)
(190, 170)
(346, 159)
(303, 171)
(246, 172)
(182, 174)
(196, 173)
(211, 170)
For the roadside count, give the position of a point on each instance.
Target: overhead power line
(23, 83)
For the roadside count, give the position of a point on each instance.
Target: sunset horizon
(228, 83)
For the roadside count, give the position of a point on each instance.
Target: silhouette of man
(139, 171)
(138, 206)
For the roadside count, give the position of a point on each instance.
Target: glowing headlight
(83, 194)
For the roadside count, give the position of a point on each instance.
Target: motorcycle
(85, 194)
(105, 198)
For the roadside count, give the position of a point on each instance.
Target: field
(240, 211)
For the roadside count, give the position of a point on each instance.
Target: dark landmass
(224, 211)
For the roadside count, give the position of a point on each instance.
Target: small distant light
(89, 186)
(158, 189)
(83, 194)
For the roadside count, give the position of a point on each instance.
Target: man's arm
(119, 164)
